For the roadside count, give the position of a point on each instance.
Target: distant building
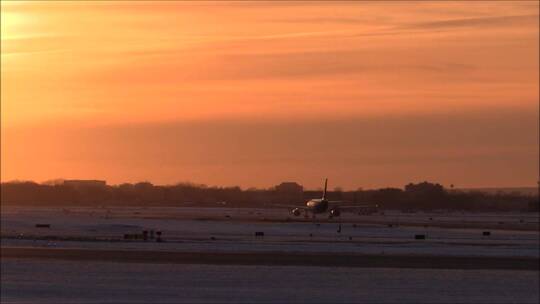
(289, 187)
(289, 192)
(80, 184)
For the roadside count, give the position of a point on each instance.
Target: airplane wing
(352, 206)
(292, 206)
(358, 207)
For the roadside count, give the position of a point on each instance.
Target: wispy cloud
(35, 44)
(345, 20)
(492, 21)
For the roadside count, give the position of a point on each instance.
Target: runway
(61, 281)
(275, 258)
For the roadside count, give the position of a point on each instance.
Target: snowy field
(232, 230)
(225, 231)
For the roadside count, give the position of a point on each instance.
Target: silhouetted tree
(421, 196)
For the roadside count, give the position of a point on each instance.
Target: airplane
(322, 205)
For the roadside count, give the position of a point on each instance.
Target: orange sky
(369, 94)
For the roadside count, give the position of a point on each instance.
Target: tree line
(419, 196)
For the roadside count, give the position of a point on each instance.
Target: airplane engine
(296, 211)
(335, 212)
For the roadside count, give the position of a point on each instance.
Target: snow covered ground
(224, 230)
(230, 230)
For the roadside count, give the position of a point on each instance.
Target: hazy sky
(368, 94)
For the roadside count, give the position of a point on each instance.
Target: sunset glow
(254, 93)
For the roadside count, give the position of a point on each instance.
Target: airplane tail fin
(325, 184)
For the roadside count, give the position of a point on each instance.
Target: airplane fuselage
(322, 205)
(317, 205)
